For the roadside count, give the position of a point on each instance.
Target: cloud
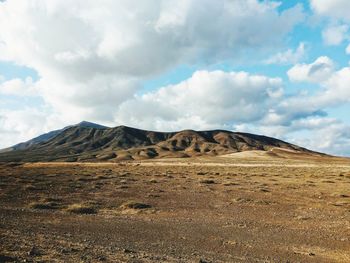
(333, 137)
(92, 55)
(335, 35)
(288, 57)
(207, 99)
(336, 88)
(18, 87)
(336, 12)
(332, 8)
(95, 99)
(347, 51)
(317, 72)
(322, 134)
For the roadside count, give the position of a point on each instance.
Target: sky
(277, 68)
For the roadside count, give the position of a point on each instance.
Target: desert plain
(252, 206)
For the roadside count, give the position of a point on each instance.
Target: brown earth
(245, 207)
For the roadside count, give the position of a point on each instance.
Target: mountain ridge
(93, 142)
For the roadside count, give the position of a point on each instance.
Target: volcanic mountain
(92, 142)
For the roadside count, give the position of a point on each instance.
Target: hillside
(47, 136)
(92, 142)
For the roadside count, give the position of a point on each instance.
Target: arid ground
(248, 207)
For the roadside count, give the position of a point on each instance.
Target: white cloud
(335, 35)
(95, 99)
(334, 91)
(338, 15)
(92, 55)
(207, 99)
(336, 88)
(331, 138)
(333, 8)
(317, 72)
(347, 51)
(322, 134)
(288, 57)
(18, 87)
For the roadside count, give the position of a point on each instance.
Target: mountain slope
(24, 145)
(47, 136)
(99, 143)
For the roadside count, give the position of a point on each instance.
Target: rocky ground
(188, 210)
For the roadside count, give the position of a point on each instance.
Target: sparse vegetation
(134, 205)
(130, 214)
(31, 187)
(153, 181)
(45, 205)
(82, 209)
(207, 181)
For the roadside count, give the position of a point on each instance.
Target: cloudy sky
(279, 68)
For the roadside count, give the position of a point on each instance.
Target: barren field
(237, 208)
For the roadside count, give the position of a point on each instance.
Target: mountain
(93, 142)
(47, 136)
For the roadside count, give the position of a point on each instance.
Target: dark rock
(102, 258)
(4, 259)
(34, 252)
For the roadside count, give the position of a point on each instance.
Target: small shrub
(207, 181)
(45, 205)
(82, 209)
(134, 205)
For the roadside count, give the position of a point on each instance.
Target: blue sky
(279, 68)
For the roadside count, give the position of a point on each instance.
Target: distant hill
(92, 142)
